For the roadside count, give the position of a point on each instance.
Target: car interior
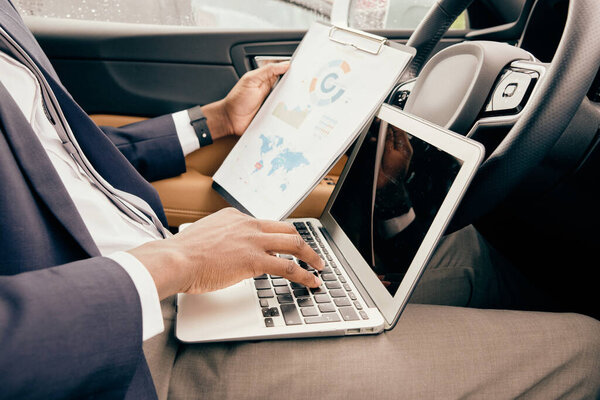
(522, 78)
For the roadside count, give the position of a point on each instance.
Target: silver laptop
(399, 189)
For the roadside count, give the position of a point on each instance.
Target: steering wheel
(556, 98)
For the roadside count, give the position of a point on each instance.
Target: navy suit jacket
(70, 320)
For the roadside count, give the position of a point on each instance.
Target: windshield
(239, 14)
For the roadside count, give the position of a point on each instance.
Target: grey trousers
(436, 351)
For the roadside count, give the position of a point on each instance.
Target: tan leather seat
(189, 197)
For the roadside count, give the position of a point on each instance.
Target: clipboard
(338, 79)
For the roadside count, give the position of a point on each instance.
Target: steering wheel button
(510, 93)
(510, 89)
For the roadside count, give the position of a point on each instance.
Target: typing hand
(223, 249)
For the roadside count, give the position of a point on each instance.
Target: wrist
(165, 265)
(217, 119)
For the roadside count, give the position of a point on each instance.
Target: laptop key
(337, 293)
(290, 314)
(263, 276)
(286, 256)
(322, 319)
(274, 312)
(348, 313)
(305, 302)
(363, 314)
(296, 285)
(264, 302)
(269, 322)
(328, 277)
(333, 285)
(300, 225)
(280, 282)
(319, 290)
(302, 264)
(282, 290)
(270, 312)
(309, 312)
(301, 293)
(352, 295)
(322, 298)
(342, 302)
(305, 266)
(265, 293)
(285, 298)
(347, 287)
(262, 284)
(357, 305)
(326, 308)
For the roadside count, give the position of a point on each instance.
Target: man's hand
(223, 249)
(396, 158)
(232, 115)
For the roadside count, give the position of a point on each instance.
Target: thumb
(272, 71)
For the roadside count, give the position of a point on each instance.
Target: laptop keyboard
(296, 304)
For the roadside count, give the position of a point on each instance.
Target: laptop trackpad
(229, 313)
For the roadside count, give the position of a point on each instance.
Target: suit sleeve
(151, 146)
(69, 331)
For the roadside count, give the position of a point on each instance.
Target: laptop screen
(390, 197)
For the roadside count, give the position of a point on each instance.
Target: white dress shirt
(112, 230)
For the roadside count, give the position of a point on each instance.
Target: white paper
(310, 118)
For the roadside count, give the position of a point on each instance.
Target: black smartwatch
(198, 122)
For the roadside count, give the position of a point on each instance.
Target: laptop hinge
(351, 274)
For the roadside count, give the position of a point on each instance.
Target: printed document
(329, 94)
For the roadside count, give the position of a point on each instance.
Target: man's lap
(434, 351)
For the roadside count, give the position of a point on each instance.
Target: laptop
(403, 181)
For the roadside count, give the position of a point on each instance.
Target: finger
(267, 72)
(292, 244)
(271, 72)
(291, 271)
(400, 138)
(268, 226)
(279, 68)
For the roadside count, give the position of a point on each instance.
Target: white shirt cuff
(152, 320)
(185, 131)
(394, 226)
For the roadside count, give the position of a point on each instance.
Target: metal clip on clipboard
(375, 40)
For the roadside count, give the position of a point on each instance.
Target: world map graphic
(278, 158)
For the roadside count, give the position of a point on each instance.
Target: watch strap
(198, 122)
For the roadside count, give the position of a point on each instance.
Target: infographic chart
(313, 114)
(328, 86)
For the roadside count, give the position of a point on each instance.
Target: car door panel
(143, 88)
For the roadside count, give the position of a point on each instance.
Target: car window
(240, 14)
